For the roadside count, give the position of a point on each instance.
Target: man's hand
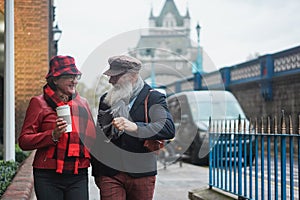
(121, 123)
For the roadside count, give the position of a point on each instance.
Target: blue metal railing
(253, 163)
(261, 70)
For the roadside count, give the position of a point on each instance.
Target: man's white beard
(117, 92)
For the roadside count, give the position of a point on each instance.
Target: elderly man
(132, 119)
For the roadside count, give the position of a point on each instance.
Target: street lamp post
(153, 84)
(151, 53)
(199, 70)
(56, 37)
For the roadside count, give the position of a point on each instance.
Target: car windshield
(216, 110)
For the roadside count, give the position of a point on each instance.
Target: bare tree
(252, 56)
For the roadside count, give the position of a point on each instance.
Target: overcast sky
(231, 30)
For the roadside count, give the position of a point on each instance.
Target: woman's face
(66, 84)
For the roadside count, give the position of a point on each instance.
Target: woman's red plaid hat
(62, 65)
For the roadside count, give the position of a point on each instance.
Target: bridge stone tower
(165, 48)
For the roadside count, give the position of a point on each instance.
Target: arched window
(169, 20)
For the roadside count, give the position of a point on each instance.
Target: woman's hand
(61, 127)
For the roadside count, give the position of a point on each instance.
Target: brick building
(33, 48)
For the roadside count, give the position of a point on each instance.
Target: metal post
(9, 84)
(150, 52)
(198, 71)
(153, 84)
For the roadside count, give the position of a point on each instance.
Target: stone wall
(285, 97)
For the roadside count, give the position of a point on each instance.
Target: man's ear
(134, 78)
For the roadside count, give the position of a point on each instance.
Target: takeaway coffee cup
(65, 113)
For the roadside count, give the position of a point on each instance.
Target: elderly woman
(62, 158)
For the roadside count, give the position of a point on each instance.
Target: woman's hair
(50, 82)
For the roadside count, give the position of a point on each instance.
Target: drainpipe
(9, 84)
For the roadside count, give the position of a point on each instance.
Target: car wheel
(195, 148)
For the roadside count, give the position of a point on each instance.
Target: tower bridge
(264, 86)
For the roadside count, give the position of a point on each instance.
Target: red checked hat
(62, 65)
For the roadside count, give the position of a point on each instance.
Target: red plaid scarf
(82, 125)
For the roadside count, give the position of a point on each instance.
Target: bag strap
(149, 143)
(146, 106)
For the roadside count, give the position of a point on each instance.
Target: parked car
(191, 111)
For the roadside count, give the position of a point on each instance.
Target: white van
(191, 111)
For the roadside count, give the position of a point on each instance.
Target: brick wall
(31, 52)
(21, 186)
(31, 66)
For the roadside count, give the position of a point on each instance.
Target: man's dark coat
(127, 153)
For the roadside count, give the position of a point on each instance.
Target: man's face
(122, 88)
(116, 79)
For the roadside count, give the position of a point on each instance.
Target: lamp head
(56, 33)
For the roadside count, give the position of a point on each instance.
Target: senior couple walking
(120, 146)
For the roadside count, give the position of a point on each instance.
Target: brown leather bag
(152, 145)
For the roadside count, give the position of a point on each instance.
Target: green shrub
(20, 154)
(8, 169)
(7, 172)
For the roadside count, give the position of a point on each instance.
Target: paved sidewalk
(174, 183)
(94, 191)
